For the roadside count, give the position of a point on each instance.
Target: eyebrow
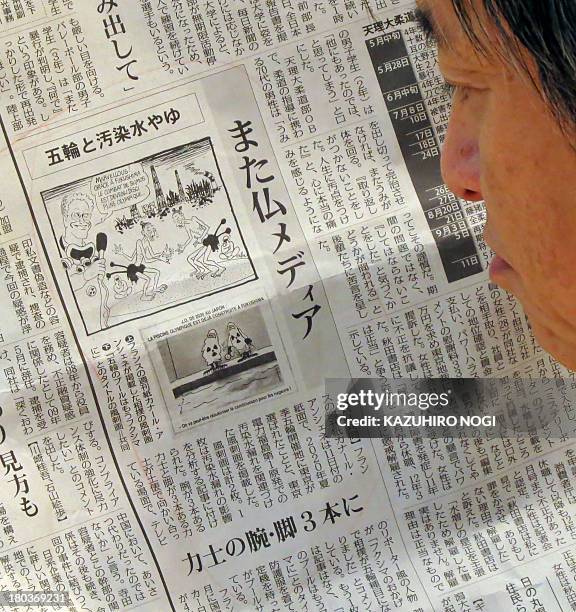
(429, 26)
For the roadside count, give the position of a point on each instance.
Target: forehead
(478, 43)
(441, 21)
(78, 204)
(427, 17)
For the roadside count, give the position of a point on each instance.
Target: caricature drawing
(77, 210)
(146, 235)
(143, 254)
(222, 362)
(84, 260)
(200, 258)
(121, 288)
(196, 230)
(229, 251)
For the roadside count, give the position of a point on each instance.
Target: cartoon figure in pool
(238, 343)
(212, 352)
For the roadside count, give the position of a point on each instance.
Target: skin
(505, 147)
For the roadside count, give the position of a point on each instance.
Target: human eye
(462, 90)
(460, 78)
(452, 87)
(449, 88)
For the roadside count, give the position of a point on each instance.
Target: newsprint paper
(208, 208)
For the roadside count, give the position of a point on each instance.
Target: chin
(567, 358)
(553, 344)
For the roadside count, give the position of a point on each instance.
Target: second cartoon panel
(222, 364)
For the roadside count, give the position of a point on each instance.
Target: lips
(498, 266)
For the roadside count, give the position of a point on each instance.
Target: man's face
(503, 146)
(149, 232)
(79, 219)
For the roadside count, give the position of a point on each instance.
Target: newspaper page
(208, 208)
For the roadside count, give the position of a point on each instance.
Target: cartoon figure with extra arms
(208, 243)
(84, 260)
(143, 254)
(196, 230)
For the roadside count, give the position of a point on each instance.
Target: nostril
(471, 196)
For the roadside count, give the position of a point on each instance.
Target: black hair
(546, 29)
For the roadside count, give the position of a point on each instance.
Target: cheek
(521, 212)
(529, 181)
(534, 227)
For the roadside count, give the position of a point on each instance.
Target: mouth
(498, 266)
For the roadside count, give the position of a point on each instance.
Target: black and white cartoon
(79, 251)
(140, 238)
(223, 362)
(122, 288)
(138, 268)
(238, 343)
(229, 251)
(83, 258)
(199, 257)
(212, 352)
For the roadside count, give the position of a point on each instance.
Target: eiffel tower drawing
(161, 203)
(181, 192)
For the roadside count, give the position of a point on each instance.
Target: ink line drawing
(149, 235)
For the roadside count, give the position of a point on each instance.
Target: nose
(460, 162)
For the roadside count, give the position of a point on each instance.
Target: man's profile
(511, 66)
